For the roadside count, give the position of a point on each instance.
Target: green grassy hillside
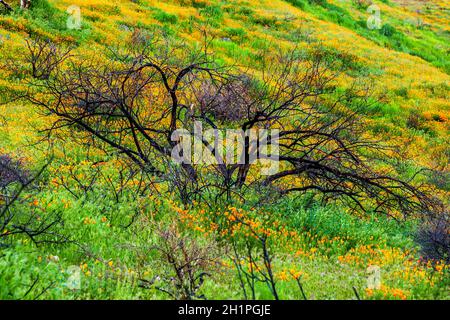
(112, 237)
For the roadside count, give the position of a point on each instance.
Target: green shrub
(415, 120)
(362, 4)
(401, 92)
(199, 4)
(297, 3)
(318, 2)
(237, 34)
(246, 11)
(46, 15)
(165, 17)
(264, 21)
(214, 12)
(387, 30)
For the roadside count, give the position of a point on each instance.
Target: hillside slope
(319, 251)
(407, 58)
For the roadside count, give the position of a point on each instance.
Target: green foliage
(264, 21)
(165, 17)
(386, 36)
(318, 2)
(214, 12)
(113, 239)
(298, 3)
(332, 221)
(401, 92)
(25, 275)
(387, 30)
(47, 15)
(237, 34)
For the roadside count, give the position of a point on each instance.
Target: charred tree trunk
(25, 4)
(6, 5)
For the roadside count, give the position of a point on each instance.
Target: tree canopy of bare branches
(133, 102)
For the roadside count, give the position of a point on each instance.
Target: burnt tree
(24, 4)
(132, 103)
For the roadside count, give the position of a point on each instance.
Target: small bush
(246, 11)
(188, 263)
(47, 15)
(387, 30)
(11, 171)
(318, 2)
(297, 3)
(165, 17)
(434, 238)
(440, 179)
(362, 4)
(265, 21)
(199, 4)
(415, 120)
(402, 92)
(214, 12)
